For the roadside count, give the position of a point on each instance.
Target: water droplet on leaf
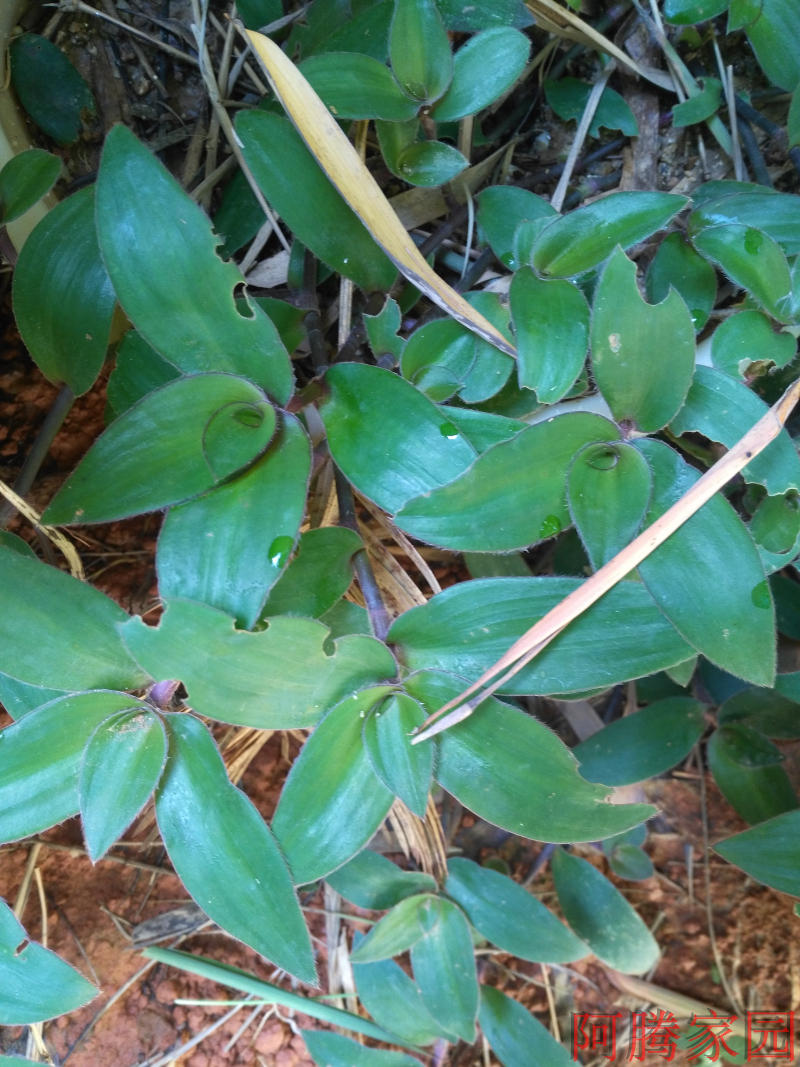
(752, 241)
(604, 458)
(551, 525)
(449, 430)
(279, 550)
(761, 595)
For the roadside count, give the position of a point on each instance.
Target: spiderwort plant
(556, 418)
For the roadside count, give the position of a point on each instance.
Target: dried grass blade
(341, 163)
(549, 626)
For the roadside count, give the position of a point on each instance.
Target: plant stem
(30, 468)
(376, 609)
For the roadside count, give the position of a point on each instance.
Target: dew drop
(551, 525)
(752, 241)
(449, 430)
(761, 596)
(279, 550)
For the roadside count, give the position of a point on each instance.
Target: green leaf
(121, 765)
(19, 698)
(768, 852)
(138, 370)
(144, 218)
(551, 320)
(724, 410)
(512, 496)
(501, 209)
(63, 297)
(466, 628)
(419, 50)
(467, 18)
(747, 768)
(281, 678)
(793, 122)
(608, 490)
(405, 769)
(767, 710)
(443, 358)
(686, 12)
(732, 623)
(234, 978)
(332, 802)
(383, 331)
(428, 163)
(175, 443)
(509, 916)
(318, 576)
(481, 428)
(600, 914)
(753, 261)
(35, 645)
(784, 591)
(581, 240)
(642, 745)
(257, 13)
(357, 87)
(228, 547)
(34, 983)
(775, 528)
(418, 449)
(511, 770)
(371, 881)
(516, 1037)
(677, 265)
(50, 89)
(394, 1001)
(631, 862)
(398, 930)
(748, 337)
(483, 69)
(723, 203)
(42, 758)
(444, 969)
(568, 98)
(224, 853)
(24, 180)
(642, 354)
(777, 22)
(701, 105)
(299, 192)
(328, 1049)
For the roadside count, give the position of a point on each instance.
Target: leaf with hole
(144, 218)
(281, 678)
(217, 841)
